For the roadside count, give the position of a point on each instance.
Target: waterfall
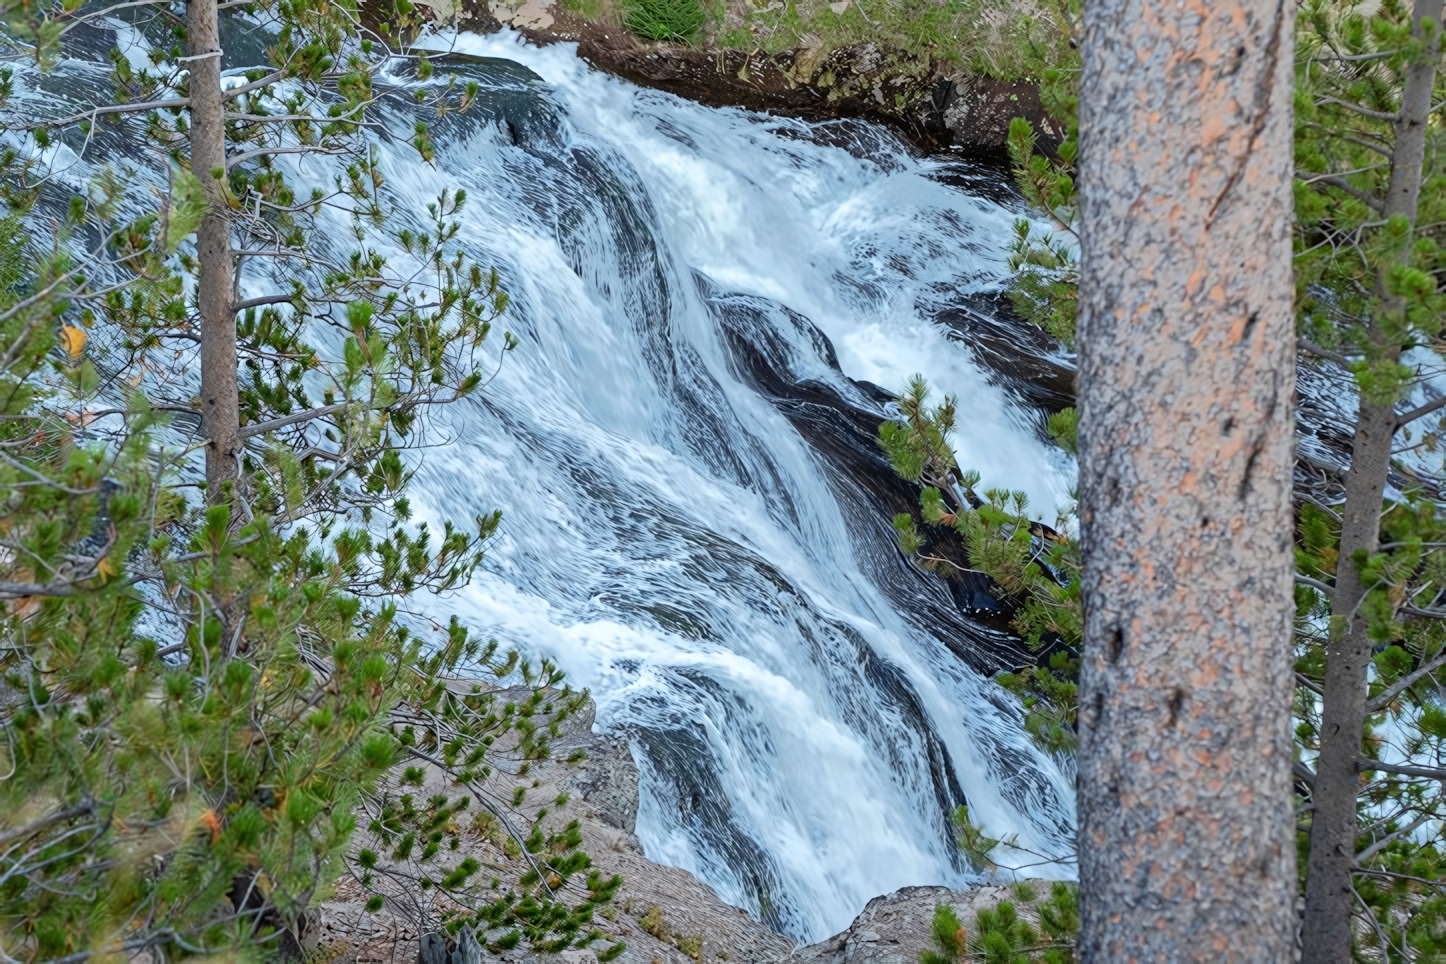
(713, 309)
(685, 281)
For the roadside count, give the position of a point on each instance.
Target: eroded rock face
(608, 780)
(900, 89)
(977, 110)
(932, 103)
(664, 914)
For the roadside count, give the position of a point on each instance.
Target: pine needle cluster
(1033, 567)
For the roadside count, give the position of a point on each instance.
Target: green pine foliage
(1000, 935)
(949, 937)
(1043, 262)
(212, 706)
(164, 794)
(1059, 921)
(1033, 567)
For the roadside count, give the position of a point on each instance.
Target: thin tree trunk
(220, 412)
(1187, 382)
(1329, 903)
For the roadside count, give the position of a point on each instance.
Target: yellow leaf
(73, 339)
(106, 568)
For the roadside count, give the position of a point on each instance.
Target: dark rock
(979, 109)
(915, 95)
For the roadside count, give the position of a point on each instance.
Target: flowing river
(713, 310)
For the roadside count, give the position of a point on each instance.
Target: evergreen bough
(211, 708)
(999, 934)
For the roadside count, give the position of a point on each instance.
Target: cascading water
(673, 538)
(682, 448)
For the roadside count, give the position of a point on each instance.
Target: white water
(669, 537)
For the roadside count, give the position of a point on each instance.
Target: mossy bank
(944, 73)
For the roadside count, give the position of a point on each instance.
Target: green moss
(691, 945)
(590, 9)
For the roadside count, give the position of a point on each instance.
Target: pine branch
(1341, 184)
(1364, 111)
(1387, 840)
(1382, 150)
(263, 300)
(1310, 347)
(261, 428)
(35, 826)
(1421, 411)
(1427, 773)
(117, 109)
(269, 151)
(18, 590)
(104, 12)
(266, 81)
(1388, 695)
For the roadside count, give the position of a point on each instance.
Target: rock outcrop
(893, 929)
(664, 914)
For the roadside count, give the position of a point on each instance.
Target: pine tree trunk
(1330, 901)
(220, 411)
(1187, 382)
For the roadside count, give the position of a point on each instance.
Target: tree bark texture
(1330, 900)
(220, 408)
(1187, 383)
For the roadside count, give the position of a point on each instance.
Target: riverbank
(952, 81)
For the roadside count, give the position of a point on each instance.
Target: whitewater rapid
(670, 538)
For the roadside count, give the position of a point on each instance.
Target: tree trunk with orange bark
(1187, 381)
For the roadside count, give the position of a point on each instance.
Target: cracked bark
(1187, 375)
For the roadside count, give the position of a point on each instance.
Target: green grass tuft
(664, 19)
